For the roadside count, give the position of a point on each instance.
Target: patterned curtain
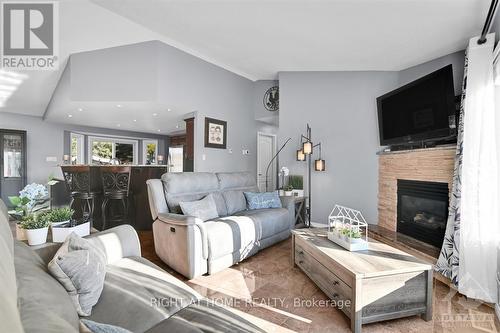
(448, 261)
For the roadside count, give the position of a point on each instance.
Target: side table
(300, 211)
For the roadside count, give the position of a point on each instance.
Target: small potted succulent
(36, 228)
(351, 235)
(288, 190)
(61, 215)
(297, 182)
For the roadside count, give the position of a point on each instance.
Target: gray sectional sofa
(194, 247)
(137, 295)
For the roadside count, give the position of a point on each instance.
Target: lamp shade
(307, 147)
(319, 165)
(300, 155)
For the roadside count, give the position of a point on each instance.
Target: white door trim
(275, 144)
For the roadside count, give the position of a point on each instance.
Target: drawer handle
(301, 252)
(301, 262)
(335, 295)
(335, 283)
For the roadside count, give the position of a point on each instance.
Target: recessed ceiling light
(118, 125)
(159, 130)
(80, 109)
(155, 114)
(135, 120)
(70, 115)
(176, 126)
(169, 110)
(118, 105)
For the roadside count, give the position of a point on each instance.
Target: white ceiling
(258, 39)
(254, 38)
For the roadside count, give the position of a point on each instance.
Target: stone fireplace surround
(428, 164)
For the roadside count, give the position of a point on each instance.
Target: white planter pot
(55, 224)
(59, 234)
(282, 193)
(288, 193)
(298, 193)
(20, 233)
(36, 236)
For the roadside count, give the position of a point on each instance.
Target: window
(77, 149)
(176, 158)
(149, 151)
(108, 150)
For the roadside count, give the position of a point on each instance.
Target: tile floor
(280, 298)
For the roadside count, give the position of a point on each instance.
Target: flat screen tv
(423, 110)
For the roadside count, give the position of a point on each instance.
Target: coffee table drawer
(326, 280)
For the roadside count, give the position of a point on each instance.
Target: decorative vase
(20, 233)
(36, 236)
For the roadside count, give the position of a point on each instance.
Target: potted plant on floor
(297, 182)
(36, 228)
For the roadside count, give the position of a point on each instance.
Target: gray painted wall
(457, 59)
(341, 110)
(261, 113)
(47, 139)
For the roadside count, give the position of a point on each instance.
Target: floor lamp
(271, 161)
(306, 153)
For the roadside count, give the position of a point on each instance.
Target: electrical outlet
(245, 152)
(203, 157)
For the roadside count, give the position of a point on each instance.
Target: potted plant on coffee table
(36, 228)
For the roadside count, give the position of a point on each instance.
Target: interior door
(12, 163)
(266, 148)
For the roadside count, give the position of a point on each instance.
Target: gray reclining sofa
(194, 247)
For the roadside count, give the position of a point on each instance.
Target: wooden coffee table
(378, 284)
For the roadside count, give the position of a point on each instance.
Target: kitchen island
(139, 215)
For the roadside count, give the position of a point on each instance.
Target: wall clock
(272, 99)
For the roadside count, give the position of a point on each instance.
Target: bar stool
(78, 180)
(116, 186)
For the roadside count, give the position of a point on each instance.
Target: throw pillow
(204, 209)
(80, 267)
(89, 326)
(257, 200)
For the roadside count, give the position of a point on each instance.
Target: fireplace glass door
(423, 210)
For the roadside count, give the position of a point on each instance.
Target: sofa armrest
(156, 197)
(179, 219)
(289, 204)
(186, 221)
(118, 242)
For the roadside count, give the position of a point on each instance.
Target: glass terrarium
(348, 228)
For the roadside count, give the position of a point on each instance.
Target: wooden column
(189, 148)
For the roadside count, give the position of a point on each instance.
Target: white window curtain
(480, 195)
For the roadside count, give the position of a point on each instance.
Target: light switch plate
(51, 159)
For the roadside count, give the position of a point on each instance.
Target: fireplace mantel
(429, 164)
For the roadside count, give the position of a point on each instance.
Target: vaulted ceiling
(257, 39)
